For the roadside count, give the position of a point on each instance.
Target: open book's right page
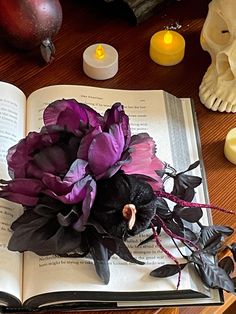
(170, 122)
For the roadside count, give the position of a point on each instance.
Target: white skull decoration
(218, 88)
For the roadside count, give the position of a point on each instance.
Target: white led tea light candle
(100, 61)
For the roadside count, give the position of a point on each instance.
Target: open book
(30, 281)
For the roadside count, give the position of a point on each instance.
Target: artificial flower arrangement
(87, 185)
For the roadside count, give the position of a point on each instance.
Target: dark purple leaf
(190, 235)
(208, 232)
(189, 214)
(162, 208)
(100, 257)
(227, 264)
(213, 244)
(162, 204)
(234, 281)
(196, 257)
(117, 246)
(189, 194)
(178, 220)
(184, 184)
(233, 250)
(98, 227)
(175, 228)
(42, 235)
(214, 276)
(147, 240)
(193, 166)
(185, 193)
(167, 270)
(178, 189)
(189, 180)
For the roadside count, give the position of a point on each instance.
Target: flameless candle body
(230, 146)
(167, 47)
(100, 61)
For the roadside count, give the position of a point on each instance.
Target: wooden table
(87, 22)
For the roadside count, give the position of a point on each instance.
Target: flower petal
(51, 159)
(55, 184)
(85, 143)
(68, 113)
(117, 132)
(114, 168)
(42, 235)
(88, 201)
(76, 172)
(116, 115)
(144, 160)
(104, 152)
(76, 194)
(19, 155)
(21, 191)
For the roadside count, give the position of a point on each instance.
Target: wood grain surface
(86, 22)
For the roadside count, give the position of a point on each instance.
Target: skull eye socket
(217, 29)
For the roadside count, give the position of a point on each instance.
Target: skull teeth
(214, 102)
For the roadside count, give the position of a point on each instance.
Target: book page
(12, 129)
(148, 112)
(52, 273)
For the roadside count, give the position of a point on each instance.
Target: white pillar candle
(230, 146)
(100, 61)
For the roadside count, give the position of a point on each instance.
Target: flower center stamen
(129, 213)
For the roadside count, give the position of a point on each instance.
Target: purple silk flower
(75, 148)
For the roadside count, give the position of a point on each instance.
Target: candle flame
(100, 52)
(168, 38)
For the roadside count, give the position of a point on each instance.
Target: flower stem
(179, 248)
(166, 252)
(173, 235)
(184, 203)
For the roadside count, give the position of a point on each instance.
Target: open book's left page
(12, 129)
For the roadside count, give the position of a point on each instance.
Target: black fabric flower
(113, 194)
(38, 229)
(48, 228)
